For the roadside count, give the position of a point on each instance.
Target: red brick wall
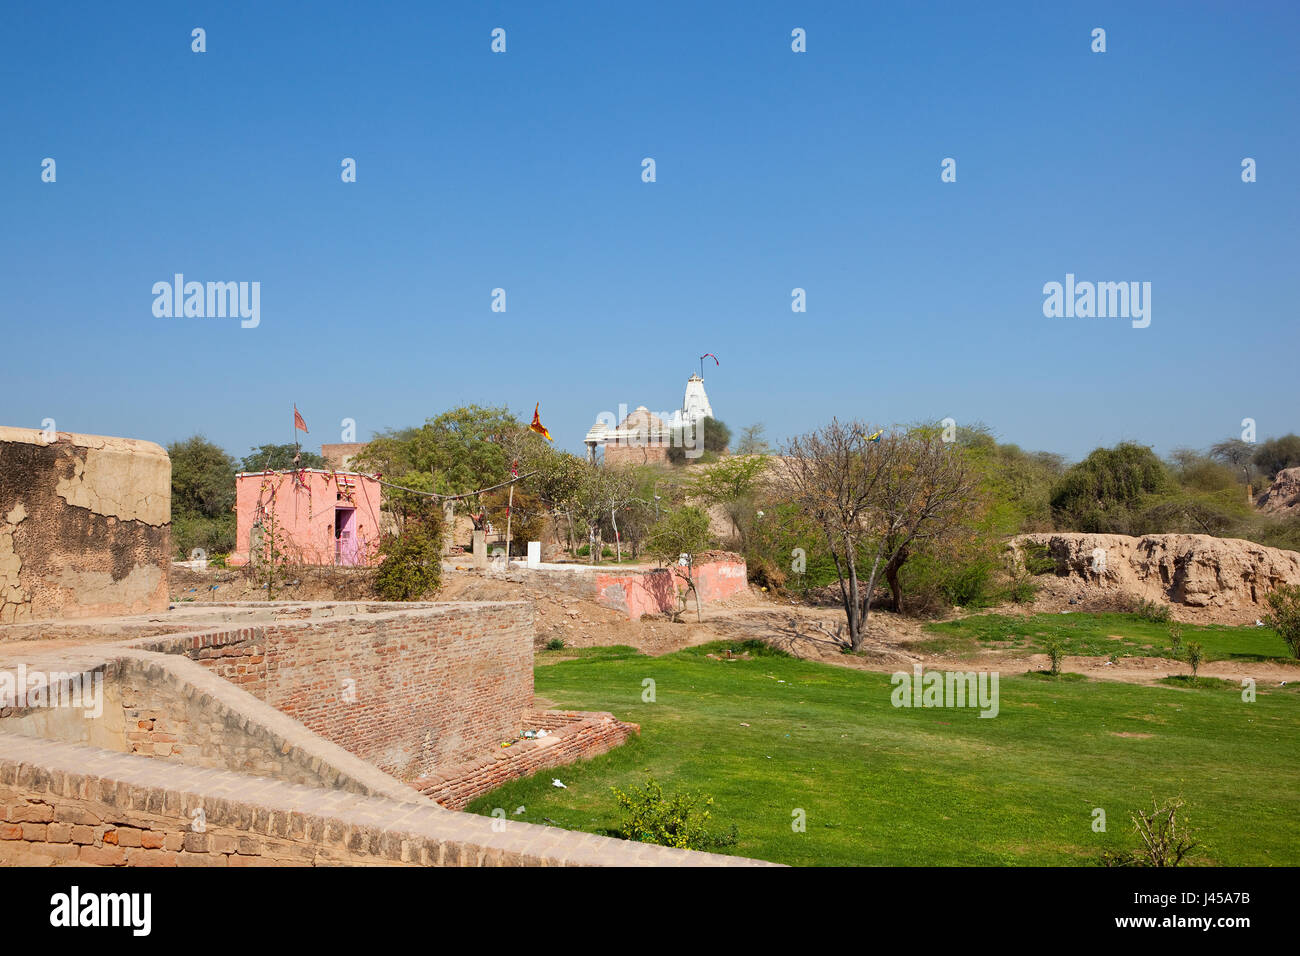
(572, 735)
(429, 688)
(68, 804)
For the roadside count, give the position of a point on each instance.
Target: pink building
(320, 517)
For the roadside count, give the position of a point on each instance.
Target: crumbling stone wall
(85, 526)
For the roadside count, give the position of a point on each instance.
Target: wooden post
(510, 508)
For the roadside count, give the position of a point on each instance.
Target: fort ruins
(256, 733)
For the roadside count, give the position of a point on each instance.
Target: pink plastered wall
(305, 511)
(654, 592)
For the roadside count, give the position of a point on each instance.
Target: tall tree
(280, 458)
(203, 478)
(873, 500)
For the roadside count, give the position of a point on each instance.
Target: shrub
(1165, 839)
(1176, 641)
(1284, 618)
(411, 568)
(1055, 653)
(555, 644)
(1195, 654)
(677, 821)
(1153, 611)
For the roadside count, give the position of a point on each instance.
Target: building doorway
(346, 551)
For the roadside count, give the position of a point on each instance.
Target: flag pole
(510, 508)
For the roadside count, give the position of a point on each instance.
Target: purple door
(345, 536)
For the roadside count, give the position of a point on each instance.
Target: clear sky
(775, 170)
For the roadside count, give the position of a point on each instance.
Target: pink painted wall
(654, 592)
(304, 512)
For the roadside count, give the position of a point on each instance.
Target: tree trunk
(891, 575)
(855, 625)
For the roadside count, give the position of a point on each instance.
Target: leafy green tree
(732, 484)
(711, 433)
(279, 458)
(1102, 493)
(203, 497)
(1278, 453)
(1284, 602)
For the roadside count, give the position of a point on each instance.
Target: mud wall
(85, 526)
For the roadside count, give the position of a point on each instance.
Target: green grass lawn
(897, 786)
(1100, 635)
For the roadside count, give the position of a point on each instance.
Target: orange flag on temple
(537, 425)
(298, 423)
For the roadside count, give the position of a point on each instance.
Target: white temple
(644, 428)
(695, 405)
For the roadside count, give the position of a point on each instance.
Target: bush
(214, 535)
(677, 821)
(411, 568)
(1166, 840)
(1153, 611)
(555, 644)
(1285, 616)
(1176, 641)
(1195, 654)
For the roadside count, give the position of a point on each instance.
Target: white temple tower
(696, 403)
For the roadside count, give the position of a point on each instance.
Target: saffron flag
(537, 425)
(298, 423)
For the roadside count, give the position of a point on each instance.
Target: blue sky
(775, 170)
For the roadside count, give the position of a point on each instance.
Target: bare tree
(1236, 453)
(875, 496)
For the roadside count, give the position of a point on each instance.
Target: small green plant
(1166, 840)
(1195, 654)
(1153, 611)
(1176, 641)
(1055, 653)
(555, 644)
(1284, 618)
(677, 821)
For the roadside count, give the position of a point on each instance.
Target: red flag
(712, 356)
(298, 423)
(537, 425)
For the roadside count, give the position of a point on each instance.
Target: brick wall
(408, 691)
(68, 804)
(571, 735)
(170, 709)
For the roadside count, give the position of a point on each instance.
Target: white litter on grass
(556, 783)
(518, 810)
